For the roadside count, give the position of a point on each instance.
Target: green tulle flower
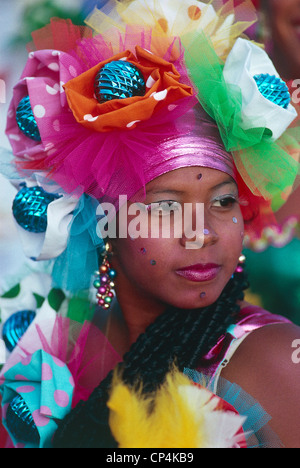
(266, 166)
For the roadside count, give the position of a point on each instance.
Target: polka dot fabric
(80, 159)
(46, 385)
(42, 80)
(163, 87)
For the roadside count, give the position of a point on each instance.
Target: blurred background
(274, 270)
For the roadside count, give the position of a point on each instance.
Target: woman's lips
(199, 273)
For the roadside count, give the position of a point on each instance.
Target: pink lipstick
(199, 273)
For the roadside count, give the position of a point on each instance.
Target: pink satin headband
(193, 141)
(186, 151)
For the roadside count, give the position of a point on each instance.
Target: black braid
(181, 336)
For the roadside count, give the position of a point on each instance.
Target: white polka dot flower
(124, 90)
(37, 98)
(265, 97)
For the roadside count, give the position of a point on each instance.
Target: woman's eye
(224, 202)
(163, 207)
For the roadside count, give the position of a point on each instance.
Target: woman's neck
(138, 312)
(128, 318)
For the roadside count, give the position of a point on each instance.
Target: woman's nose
(210, 236)
(198, 234)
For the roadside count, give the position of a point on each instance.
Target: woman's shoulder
(267, 366)
(272, 340)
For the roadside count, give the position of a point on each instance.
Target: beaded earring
(240, 266)
(104, 281)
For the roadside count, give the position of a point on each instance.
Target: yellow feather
(173, 414)
(167, 420)
(128, 418)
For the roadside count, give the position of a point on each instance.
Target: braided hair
(181, 336)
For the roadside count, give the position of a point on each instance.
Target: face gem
(199, 176)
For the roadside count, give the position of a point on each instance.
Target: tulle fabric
(84, 160)
(267, 168)
(55, 365)
(82, 346)
(256, 429)
(180, 414)
(223, 21)
(74, 268)
(63, 38)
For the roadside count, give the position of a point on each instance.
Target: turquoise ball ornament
(274, 89)
(119, 80)
(15, 327)
(19, 421)
(26, 121)
(30, 208)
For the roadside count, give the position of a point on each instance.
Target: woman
(179, 298)
(280, 28)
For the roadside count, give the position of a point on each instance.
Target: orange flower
(163, 88)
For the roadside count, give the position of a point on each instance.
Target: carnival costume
(100, 111)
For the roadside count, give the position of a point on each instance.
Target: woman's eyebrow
(162, 190)
(226, 182)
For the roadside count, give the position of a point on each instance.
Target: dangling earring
(240, 265)
(104, 281)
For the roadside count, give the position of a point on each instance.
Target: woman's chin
(203, 299)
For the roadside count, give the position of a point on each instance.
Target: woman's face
(191, 268)
(284, 17)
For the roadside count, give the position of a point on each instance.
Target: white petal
(244, 62)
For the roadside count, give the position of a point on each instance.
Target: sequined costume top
(251, 318)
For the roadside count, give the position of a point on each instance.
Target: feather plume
(181, 414)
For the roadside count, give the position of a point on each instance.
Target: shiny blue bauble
(30, 208)
(26, 121)
(20, 423)
(15, 327)
(274, 89)
(112, 273)
(119, 80)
